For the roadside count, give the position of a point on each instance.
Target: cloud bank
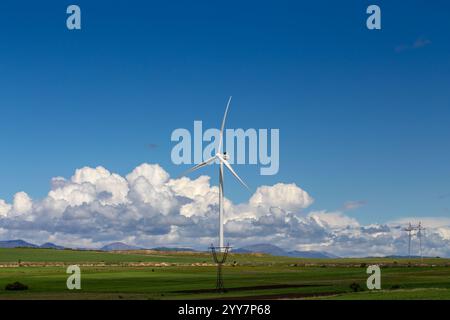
(148, 208)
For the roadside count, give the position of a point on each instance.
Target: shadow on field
(264, 287)
(283, 296)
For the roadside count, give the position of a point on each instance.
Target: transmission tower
(419, 235)
(410, 228)
(220, 256)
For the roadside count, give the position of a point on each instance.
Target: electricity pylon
(220, 256)
(410, 228)
(419, 235)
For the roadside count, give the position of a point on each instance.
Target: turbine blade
(227, 164)
(223, 125)
(200, 165)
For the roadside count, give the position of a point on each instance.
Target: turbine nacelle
(224, 156)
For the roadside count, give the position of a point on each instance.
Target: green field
(175, 275)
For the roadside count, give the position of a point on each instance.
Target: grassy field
(173, 275)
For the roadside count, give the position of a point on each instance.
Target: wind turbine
(223, 161)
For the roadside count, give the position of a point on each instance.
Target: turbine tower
(222, 157)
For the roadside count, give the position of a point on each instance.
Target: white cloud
(286, 196)
(333, 220)
(22, 203)
(432, 222)
(4, 208)
(86, 186)
(153, 173)
(148, 208)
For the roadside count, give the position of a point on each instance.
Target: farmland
(145, 274)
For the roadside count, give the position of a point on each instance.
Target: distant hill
(123, 247)
(23, 244)
(49, 245)
(172, 249)
(262, 248)
(312, 254)
(118, 246)
(17, 244)
(277, 251)
(406, 257)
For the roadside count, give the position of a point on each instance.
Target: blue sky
(363, 115)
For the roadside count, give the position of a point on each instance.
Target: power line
(410, 230)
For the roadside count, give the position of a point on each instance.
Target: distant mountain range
(16, 244)
(262, 248)
(256, 248)
(277, 251)
(120, 246)
(23, 244)
(117, 246)
(312, 254)
(173, 249)
(49, 245)
(404, 257)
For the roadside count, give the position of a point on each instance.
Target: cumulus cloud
(333, 220)
(286, 196)
(149, 208)
(22, 203)
(4, 208)
(417, 44)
